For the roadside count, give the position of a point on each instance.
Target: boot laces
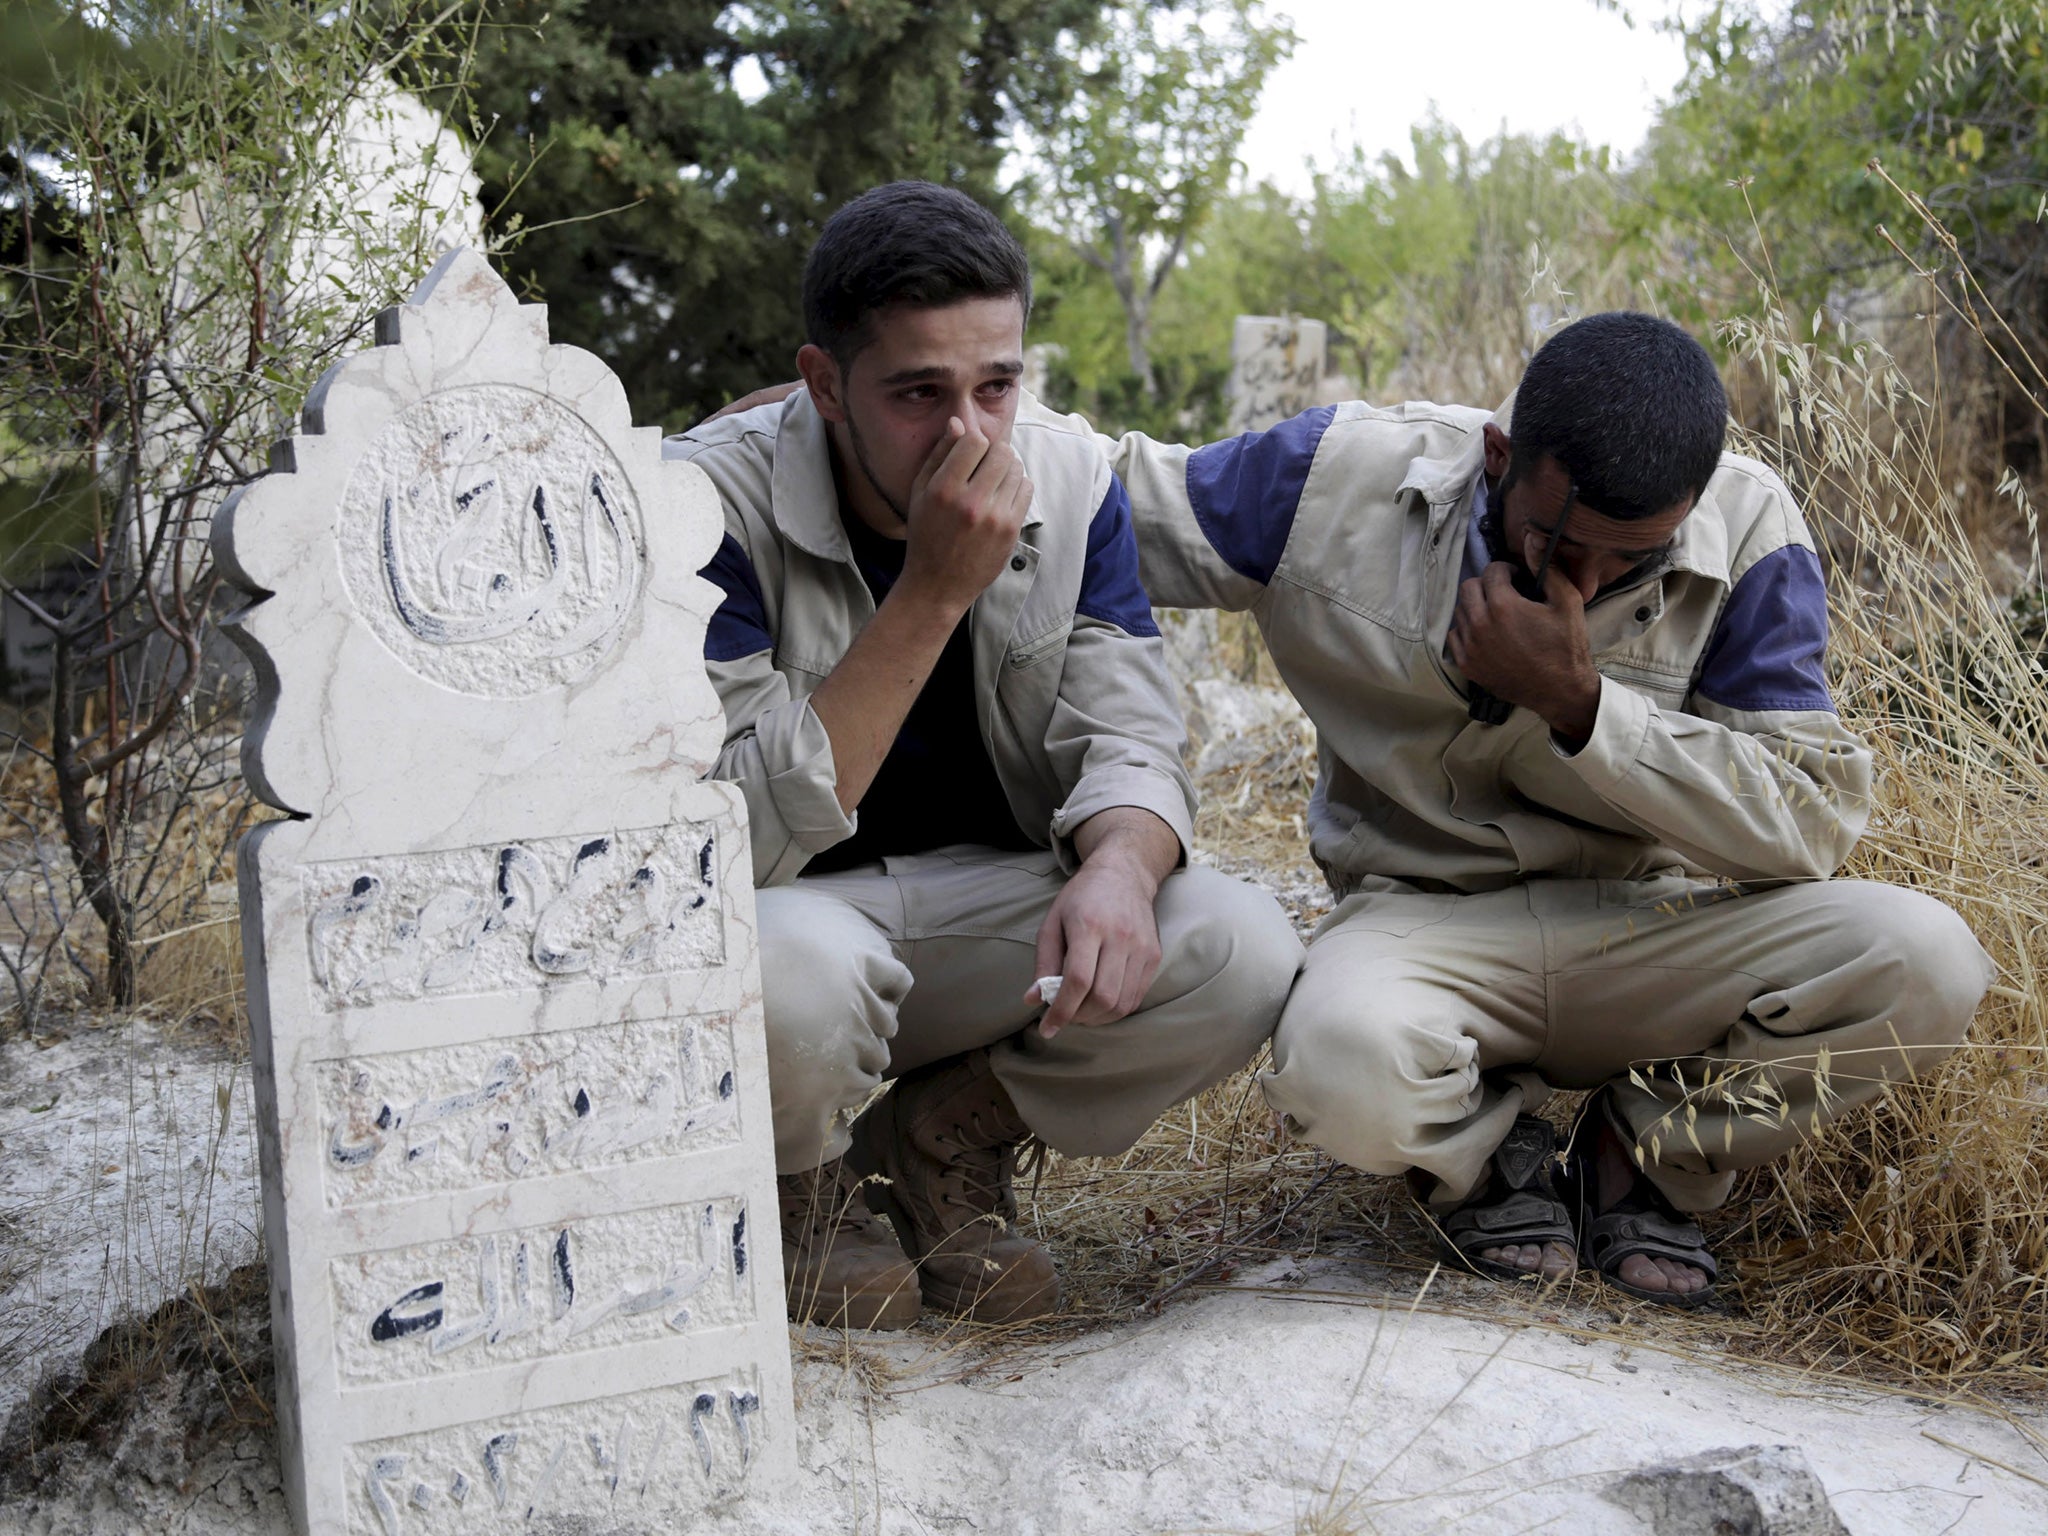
(980, 1168)
(826, 1199)
(1030, 1159)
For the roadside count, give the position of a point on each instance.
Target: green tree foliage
(1126, 170)
(43, 41)
(660, 168)
(1951, 97)
(1765, 151)
(1437, 274)
(188, 237)
(1456, 265)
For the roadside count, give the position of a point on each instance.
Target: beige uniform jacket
(1070, 686)
(1717, 749)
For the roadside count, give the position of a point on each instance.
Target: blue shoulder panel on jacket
(1770, 649)
(1110, 588)
(1245, 490)
(740, 627)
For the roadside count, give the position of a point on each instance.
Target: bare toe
(1680, 1278)
(1558, 1261)
(1645, 1274)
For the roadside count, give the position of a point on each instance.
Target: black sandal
(1640, 1222)
(1518, 1205)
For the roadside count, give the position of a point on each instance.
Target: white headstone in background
(1276, 369)
(513, 1097)
(1039, 358)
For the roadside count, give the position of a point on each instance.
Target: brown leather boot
(946, 1139)
(844, 1269)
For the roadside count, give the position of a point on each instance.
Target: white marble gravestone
(1276, 369)
(517, 1161)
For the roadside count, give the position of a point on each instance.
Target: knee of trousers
(1925, 958)
(1228, 945)
(1369, 1087)
(830, 989)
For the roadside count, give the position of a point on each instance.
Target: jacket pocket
(1029, 653)
(1667, 688)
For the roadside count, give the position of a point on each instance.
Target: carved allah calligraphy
(498, 553)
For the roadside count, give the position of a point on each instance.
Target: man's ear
(821, 377)
(1498, 451)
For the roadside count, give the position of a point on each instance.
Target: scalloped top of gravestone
(503, 985)
(1276, 369)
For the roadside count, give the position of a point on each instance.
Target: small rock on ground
(1750, 1490)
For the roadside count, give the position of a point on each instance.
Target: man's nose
(1586, 575)
(994, 423)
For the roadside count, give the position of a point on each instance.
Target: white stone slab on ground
(1307, 1401)
(503, 986)
(130, 1172)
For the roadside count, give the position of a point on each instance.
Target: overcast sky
(1366, 70)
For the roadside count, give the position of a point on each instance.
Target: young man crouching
(947, 706)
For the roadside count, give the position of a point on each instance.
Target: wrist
(917, 599)
(1124, 855)
(1572, 717)
(1126, 868)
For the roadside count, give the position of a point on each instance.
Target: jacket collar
(1701, 543)
(804, 496)
(1449, 479)
(1700, 546)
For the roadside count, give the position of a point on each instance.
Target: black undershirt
(937, 785)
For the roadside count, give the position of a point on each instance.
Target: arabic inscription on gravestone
(1276, 369)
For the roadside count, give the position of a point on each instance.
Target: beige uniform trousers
(1423, 1024)
(875, 971)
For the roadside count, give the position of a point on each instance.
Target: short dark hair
(1630, 405)
(910, 242)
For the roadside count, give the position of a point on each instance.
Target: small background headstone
(1276, 369)
(511, 1082)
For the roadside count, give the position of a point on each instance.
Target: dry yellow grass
(192, 974)
(1914, 1240)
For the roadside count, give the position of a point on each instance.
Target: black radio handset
(1481, 705)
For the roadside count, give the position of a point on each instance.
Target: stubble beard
(1493, 527)
(867, 469)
